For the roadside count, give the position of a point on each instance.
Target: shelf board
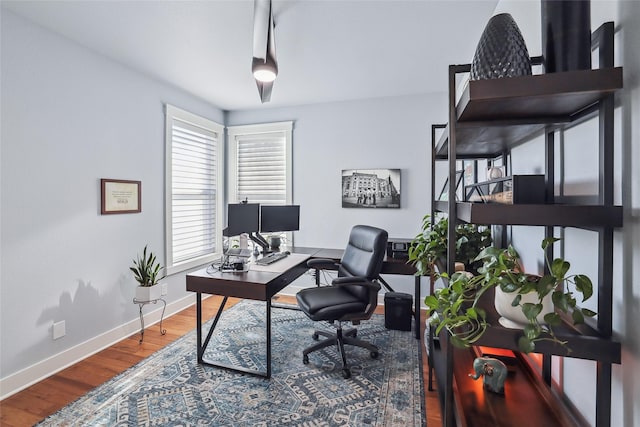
(561, 215)
(526, 397)
(498, 114)
(583, 342)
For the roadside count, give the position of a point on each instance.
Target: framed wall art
(120, 196)
(371, 188)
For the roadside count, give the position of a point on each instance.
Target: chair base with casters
(339, 339)
(352, 296)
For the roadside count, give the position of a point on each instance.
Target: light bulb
(264, 75)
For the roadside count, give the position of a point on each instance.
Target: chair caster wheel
(315, 336)
(305, 359)
(374, 354)
(346, 373)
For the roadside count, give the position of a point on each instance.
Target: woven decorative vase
(501, 51)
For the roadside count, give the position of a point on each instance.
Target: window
(260, 163)
(194, 177)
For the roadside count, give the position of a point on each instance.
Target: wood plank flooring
(49, 395)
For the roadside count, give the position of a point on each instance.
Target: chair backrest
(364, 253)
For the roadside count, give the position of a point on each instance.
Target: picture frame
(371, 188)
(120, 196)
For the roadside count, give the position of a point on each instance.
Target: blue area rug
(169, 388)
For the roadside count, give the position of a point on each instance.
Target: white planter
(513, 317)
(149, 293)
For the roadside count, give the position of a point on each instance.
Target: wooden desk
(262, 286)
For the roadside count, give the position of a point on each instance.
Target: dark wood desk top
(261, 285)
(257, 285)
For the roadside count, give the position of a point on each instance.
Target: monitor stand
(260, 241)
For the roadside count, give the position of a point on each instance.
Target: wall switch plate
(59, 330)
(165, 289)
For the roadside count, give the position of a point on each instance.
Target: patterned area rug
(169, 388)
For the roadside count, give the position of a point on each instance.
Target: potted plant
(455, 307)
(430, 246)
(146, 270)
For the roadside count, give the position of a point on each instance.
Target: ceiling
(327, 50)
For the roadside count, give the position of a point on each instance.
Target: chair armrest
(323, 264)
(355, 280)
(349, 280)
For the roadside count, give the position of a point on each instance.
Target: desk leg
(416, 309)
(203, 346)
(200, 346)
(385, 284)
(214, 324)
(199, 325)
(268, 308)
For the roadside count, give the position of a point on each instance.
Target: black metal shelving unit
(490, 118)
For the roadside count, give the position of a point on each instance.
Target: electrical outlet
(165, 289)
(59, 330)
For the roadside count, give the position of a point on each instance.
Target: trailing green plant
(430, 244)
(145, 269)
(455, 307)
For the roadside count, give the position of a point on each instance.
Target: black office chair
(352, 296)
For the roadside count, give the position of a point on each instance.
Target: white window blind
(260, 163)
(194, 213)
(262, 175)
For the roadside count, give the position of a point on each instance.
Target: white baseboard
(41, 370)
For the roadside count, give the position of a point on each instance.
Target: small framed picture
(371, 188)
(120, 196)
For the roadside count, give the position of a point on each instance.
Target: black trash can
(397, 311)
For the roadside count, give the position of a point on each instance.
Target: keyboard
(271, 258)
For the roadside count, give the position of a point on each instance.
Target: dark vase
(501, 51)
(566, 35)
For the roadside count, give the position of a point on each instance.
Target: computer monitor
(242, 218)
(275, 218)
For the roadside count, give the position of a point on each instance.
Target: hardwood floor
(49, 395)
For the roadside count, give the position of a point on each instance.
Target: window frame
(173, 113)
(285, 127)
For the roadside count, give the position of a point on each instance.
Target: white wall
(580, 169)
(376, 133)
(69, 118)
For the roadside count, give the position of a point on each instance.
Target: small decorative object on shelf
(495, 172)
(501, 51)
(515, 189)
(493, 371)
(513, 317)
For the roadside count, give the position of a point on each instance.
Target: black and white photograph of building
(371, 188)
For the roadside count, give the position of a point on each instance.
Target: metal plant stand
(142, 304)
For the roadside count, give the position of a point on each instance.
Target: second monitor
(277, 218)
